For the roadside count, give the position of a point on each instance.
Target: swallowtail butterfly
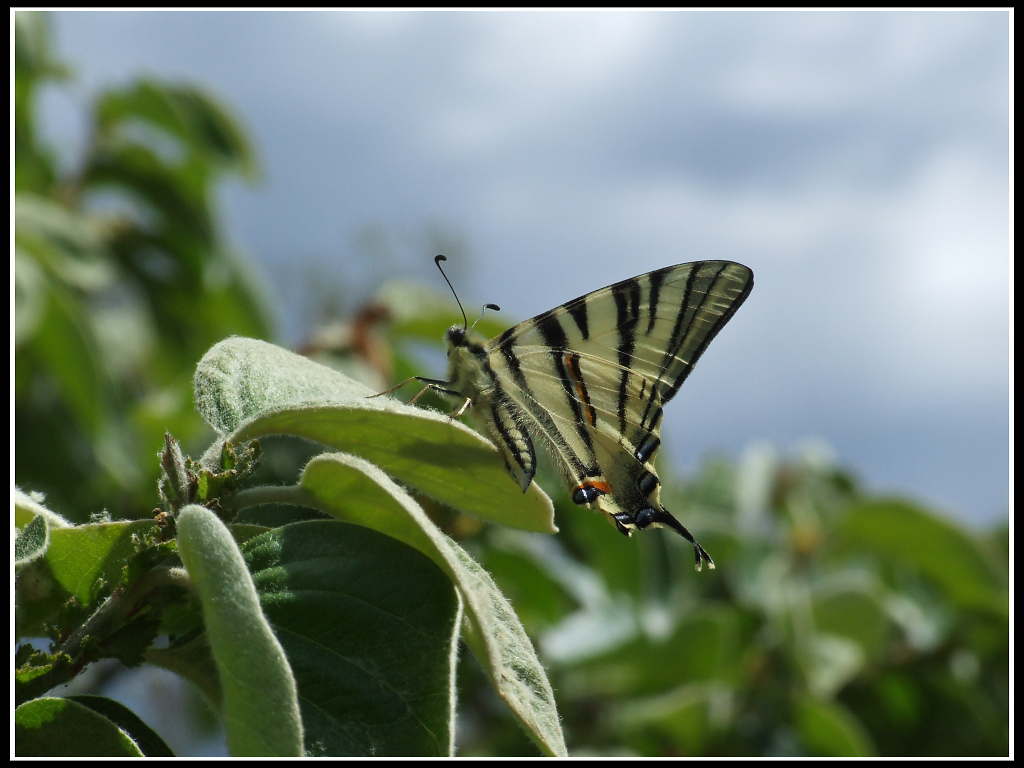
(587, 381)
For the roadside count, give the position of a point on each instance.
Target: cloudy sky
(857, 161)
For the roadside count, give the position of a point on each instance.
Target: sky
(858, 162)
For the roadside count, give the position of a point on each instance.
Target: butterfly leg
(432, 384)
(461, 409)
(619, 519)
(399, 385)
(648, 516)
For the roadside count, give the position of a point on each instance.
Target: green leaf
(31, 543)
(908, 536)
(828, 729)
(260, 705)
(370, 627)
(252, 389)
(80, 562)
(54, 727)
(145, 738)
(355, 491)
(83, 558)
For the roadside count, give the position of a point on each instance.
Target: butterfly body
(587, 381)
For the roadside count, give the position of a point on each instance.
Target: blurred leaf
(540, 598)
(369, 626)
(684, 718)
(32, 49)
(183, 112)
(701, 648)
(855, 615)
(176, 196)
(69, 246)
(54, 727)
(34, 63)
(261, 710)
(902, 533)
(355, 491)
(29, 296)
(257, 389)
(829, 662)
(828, 729)
(145, 738)
(64, 346)
(620, 561)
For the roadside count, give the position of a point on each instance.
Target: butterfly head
(456, 336)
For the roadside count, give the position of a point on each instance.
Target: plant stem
(73, 654)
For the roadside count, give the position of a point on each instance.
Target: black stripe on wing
(543, 418)
(719, 324)
(555, 338)
(684, 328)
(675, 341)
(507, 420)
(627, 307)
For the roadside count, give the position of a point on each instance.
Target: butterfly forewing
(590, 377)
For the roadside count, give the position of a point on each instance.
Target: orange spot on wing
(599, 485)
(573, 367)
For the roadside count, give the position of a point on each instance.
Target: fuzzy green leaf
(260, 704)
(370, 627)
(54, 727)
(355, 491)
(31, 543)
(252, 389)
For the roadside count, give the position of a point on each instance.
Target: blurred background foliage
(837, 623)
(123, 279)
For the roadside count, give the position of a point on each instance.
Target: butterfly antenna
(437, 260)
(495, 307)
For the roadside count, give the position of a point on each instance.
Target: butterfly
(588, 380)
